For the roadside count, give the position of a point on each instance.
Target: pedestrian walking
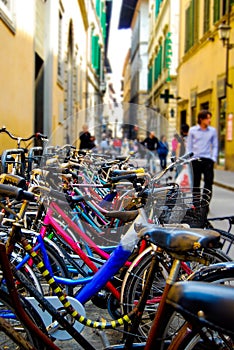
(117, 144)
(182, 140)
(163, 149)
(181, 149)
(86, 140)
(125, 147)
(151, 143)
(202, 140)
(104, 145)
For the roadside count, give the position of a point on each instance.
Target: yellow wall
(17, 84)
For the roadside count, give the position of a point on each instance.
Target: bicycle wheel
(134, 283)
(7, 313)
(207, 340)
(58, 268)
(133, 286)
(56, 265)
(12, 334)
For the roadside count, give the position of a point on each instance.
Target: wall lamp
(172, 113)
(224, 35)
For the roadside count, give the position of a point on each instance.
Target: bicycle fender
(214, 272)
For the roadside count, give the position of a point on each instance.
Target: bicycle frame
(20, 312)
(118, 262)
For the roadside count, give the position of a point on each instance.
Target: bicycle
(20, 160)
(165, 324)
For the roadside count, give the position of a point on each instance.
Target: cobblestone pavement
(95, 337)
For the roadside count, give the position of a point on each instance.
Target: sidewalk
(224, 178)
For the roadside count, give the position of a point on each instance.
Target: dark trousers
(163, 161)
(205, 167)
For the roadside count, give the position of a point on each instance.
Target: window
(206, 18)
(191, 24)
(158, 64)
(7, 13)
(220, 8)
(205, 105)
(150, 72)
(95, 52)
(60, 31)
(157, 7)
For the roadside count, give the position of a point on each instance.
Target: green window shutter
(216, 14)
(95, 51)
(98, 61)
(189, 27)
(98, 7)
(160, 60)
(155, 69)
(157, 6)
(206, 18)
(150, 72)
(92, 48)
(195, 6)
(103, 20)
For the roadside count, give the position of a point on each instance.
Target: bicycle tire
(58, 267)
(7, 312)
(134, 282)
(192, 340)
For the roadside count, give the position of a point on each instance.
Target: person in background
(125, 147)
(182, 140)
(174, 143)
(86, 140)
(163, 149)
(104, 145)
(202, 140)
(151, 143)
(117, 144)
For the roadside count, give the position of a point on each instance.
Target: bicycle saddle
(125, 216)
(204, 303)
(180, 239)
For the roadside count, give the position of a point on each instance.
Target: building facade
(134, 15)
(189, 67)
(162, 65)
(206, 70)
(52, 66)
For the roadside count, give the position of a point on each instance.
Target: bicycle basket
(181, 205)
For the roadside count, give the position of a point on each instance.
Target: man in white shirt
(202, 140)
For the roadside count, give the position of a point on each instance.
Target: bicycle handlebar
(16, 192)
(130, 177)
(175, 161)
(37, 135)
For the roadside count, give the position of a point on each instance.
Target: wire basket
(181, 205)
